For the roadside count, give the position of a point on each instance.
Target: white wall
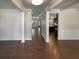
(68, 25)
(10, 24)
(28, 24)
(44, 27)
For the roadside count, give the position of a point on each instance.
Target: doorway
(53, 26)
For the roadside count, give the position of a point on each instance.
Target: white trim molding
(9, 39)
(47, 27)
(28, 38)
(22, 22)
(53, 4)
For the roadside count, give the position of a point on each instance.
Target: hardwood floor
(35, 49)
(38, 49)
(64, 49)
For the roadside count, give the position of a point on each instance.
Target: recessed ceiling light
(37, 2)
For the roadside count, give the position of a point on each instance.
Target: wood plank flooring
(35, 49)
(63, 49)
(38, 49)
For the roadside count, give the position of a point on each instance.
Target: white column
(22, 26)
(47, 27)
(28, 24)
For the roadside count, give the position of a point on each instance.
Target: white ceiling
(63, 5)
(36, 9)
(75, 6)
(67, 4)
(7, 4)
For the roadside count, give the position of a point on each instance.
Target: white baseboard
(28, 38)
(9, 39)
(22, 41)
(15, 39)
(68, 39)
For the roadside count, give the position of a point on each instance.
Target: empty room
(39, 29)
